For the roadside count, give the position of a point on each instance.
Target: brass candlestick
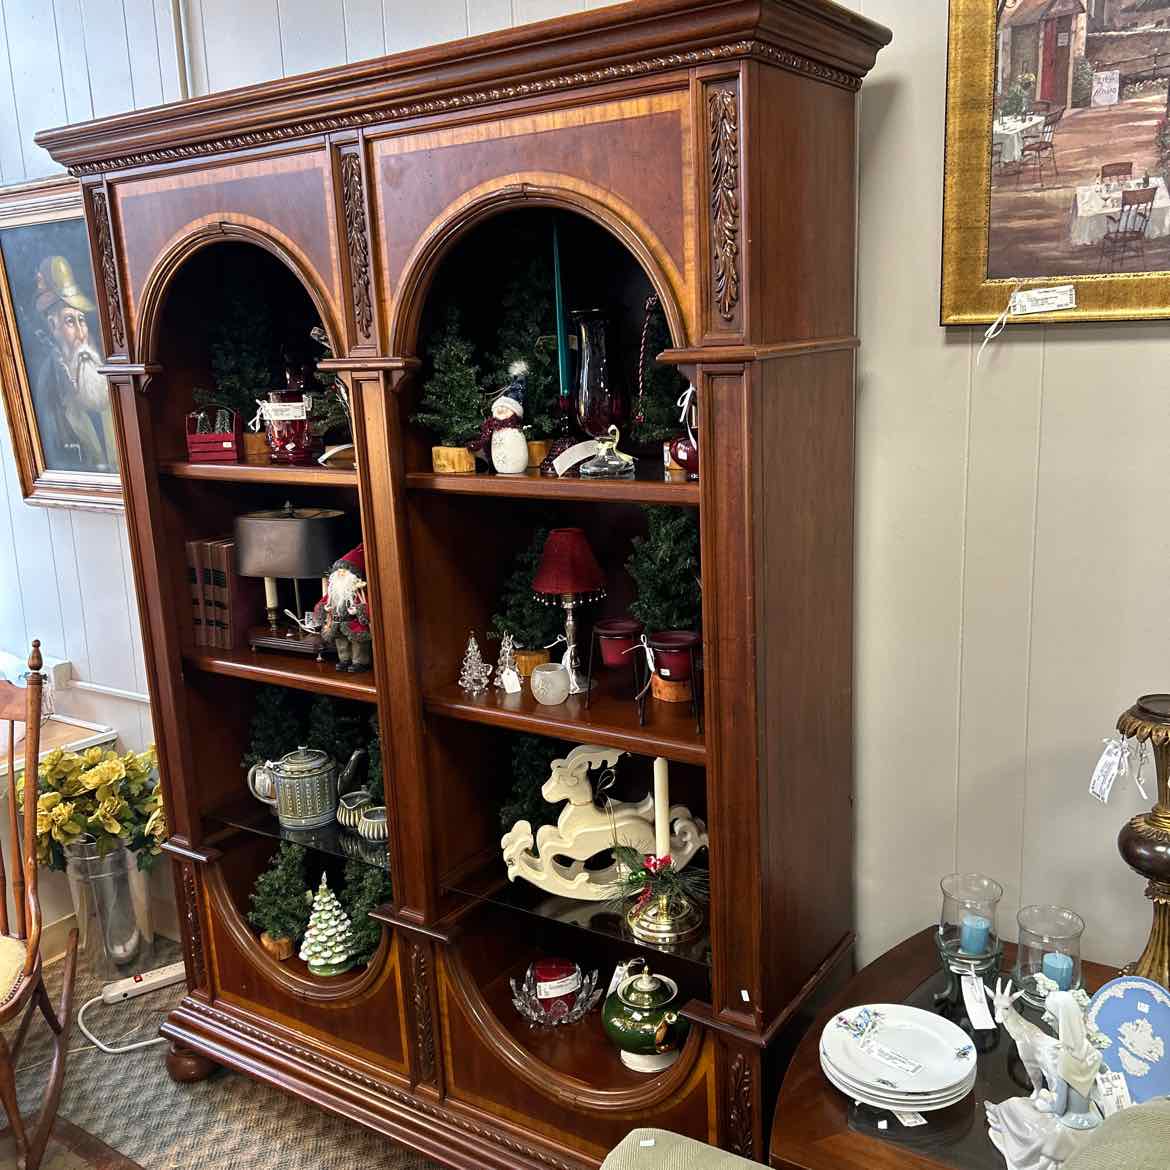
(1144, 842)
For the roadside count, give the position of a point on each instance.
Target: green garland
(366, 888)
(665, 567)
(281, 900)
(531, 623)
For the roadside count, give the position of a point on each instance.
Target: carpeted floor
(129, 1103)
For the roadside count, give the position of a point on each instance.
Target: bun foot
(185, 1065)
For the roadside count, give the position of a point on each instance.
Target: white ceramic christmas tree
(328, 943)
(474, 675)
(507, 659)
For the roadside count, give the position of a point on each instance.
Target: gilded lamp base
(665, 920)
(1144, 842)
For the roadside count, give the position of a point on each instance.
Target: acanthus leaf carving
(194, 930)
(420, 971)
(357, 245)
(723, 131)
(109, 271)
(740, 1136)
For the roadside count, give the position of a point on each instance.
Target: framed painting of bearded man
(58, 405)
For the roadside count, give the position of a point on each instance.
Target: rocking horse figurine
(583, 831)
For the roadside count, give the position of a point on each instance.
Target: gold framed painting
(58, 405)
(1057, 157)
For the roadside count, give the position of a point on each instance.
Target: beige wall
(1011, 566)
(1011, 562)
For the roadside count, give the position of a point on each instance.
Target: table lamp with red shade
(569, 572)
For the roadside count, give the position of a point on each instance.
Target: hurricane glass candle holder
(1049, 946)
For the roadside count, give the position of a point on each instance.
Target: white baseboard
(55, 935)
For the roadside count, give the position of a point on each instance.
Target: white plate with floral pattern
(891, 1042)
(890, 1086)
(899, 1103)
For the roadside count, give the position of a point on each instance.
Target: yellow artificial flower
(109, 814)
(95, 755)
(106, 772)
(62, 825)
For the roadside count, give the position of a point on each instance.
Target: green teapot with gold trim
(641, 1017)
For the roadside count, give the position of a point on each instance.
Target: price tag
(1111, 1093)
(1112, 763)
(1043, 300)
(975, 1000)
(909, 1120)
(286, 411)
(619, 973)
(510, 681)
(891, 1057)
(573, 455)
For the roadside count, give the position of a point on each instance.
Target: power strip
(143, 984)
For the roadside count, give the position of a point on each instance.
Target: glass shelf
(598, 918)
(333, 840)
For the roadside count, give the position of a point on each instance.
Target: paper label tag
(619, 973)
(975, 1000)
(1111, 1093)
(510, 681)
(286, 411)
(1043, 300)
(1108, 768)
(571, 456)
(892, 1057)
(552, 988)
(909, 1119)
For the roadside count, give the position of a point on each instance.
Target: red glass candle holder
(291, 440)
(618, 637)
(672, 653)
(558, 983)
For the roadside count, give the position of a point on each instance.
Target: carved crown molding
(307, 128)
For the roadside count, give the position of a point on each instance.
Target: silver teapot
(301, 786)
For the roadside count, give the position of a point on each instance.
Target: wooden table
(815, 1127)
(59, 731)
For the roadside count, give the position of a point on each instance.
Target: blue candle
(1059, 968)
(973, 935)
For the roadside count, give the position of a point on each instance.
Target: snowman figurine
(502, 435)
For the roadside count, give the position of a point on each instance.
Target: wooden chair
(22, 986)
(1126, 232)
(1117, 170)
(1040, 147)
(1040, 106)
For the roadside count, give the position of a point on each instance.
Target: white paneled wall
(1010, 561)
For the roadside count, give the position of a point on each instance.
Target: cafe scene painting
(1080, 149)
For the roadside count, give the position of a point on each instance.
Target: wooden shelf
(284, 670)
(648, 487)
(611, 719)
(310, 475)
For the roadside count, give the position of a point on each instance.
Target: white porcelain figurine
(1042, 1131)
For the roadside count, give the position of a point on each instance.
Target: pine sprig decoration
(665, 567)
(452, 404)
(531, 623)
(531, 759)
(280, 898)
(641, 881)
(366, 888)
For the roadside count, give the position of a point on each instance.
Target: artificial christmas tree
(366, 888)
(452, 404)
(474, 674)
(532, 624)
(280, 901)
(328, 946)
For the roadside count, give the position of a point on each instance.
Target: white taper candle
(661, 807)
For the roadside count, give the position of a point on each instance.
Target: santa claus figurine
(343, 614)
(502, 435)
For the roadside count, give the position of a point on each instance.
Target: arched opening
(231, 323)
(495, 288)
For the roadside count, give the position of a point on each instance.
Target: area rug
(71, 1148)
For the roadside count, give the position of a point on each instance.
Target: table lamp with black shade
(570, 576)
(295, 543)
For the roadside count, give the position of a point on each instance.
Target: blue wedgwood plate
(1134, 1014)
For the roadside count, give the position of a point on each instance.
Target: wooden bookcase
(712, 143)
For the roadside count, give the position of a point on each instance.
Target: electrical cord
(105, 1047)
